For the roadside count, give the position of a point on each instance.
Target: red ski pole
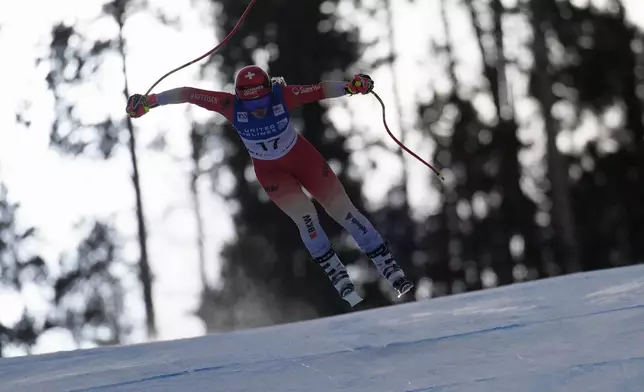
(213, 50)
(384, 121)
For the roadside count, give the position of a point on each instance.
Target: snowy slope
(581, 332)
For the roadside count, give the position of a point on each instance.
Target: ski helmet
(252, 82)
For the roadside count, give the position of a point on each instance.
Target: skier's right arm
(216, 101)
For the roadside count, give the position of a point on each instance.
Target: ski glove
(144, 104)
(361, 84)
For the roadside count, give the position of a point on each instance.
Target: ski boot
(402, 285)
(339, 277)
(391, 271)
(349, 294)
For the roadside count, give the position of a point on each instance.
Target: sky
(81, 187)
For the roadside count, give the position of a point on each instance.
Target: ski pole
(384, 121)
(213, 50)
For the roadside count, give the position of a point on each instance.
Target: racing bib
(269, 142)
(270, 137)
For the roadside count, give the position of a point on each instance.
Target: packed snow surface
(582, 332)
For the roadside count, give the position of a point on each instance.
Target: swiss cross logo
(249, 75)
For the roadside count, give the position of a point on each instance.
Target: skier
(284, 162)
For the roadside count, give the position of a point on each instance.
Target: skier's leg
(320, 180)
(287, 194)
(340, 208)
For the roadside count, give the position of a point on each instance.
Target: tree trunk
(145, 274)
(397, 103)
(403, 243)
(196, 142)
(561, 212)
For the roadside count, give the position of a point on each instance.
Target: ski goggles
(257, 104)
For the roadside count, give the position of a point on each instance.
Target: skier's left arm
(298, 95)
